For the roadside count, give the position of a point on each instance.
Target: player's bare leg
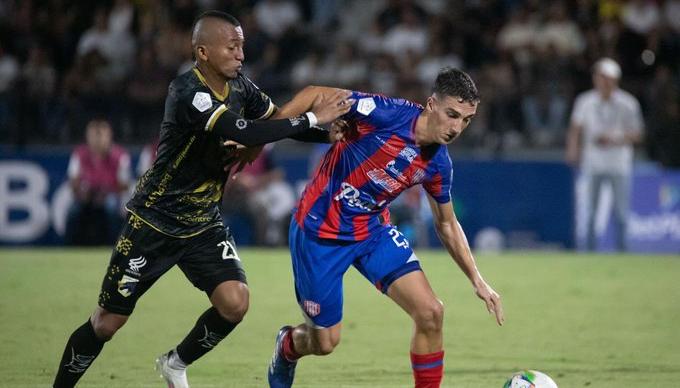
(295, 342)
(230, 301)
(85, 344)
(413, 293)
(309, 340)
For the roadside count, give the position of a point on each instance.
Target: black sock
(210, 329)
(81, 349)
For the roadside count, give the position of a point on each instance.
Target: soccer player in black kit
(174, 217)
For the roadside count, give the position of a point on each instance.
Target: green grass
(597, 321)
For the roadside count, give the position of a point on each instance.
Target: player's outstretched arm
(252, 133)
(305, 100)
(452, 236)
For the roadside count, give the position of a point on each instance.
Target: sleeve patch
(365, 106)
(202, 101)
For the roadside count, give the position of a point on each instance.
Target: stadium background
(585, 319)
(64, 62)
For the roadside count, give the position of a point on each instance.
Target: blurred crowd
(63, 62)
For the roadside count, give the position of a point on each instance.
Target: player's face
(226, 52)
(449, 117)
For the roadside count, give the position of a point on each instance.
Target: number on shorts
(397, 235)
(228, 251)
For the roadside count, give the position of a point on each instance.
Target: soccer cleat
(176, 378)
(281, 371)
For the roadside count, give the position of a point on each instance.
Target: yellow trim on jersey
(269, 112)
(165, 233)
(214, 116)
(220, 96)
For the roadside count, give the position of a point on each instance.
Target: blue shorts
(319, 266)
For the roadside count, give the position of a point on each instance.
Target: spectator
(409, 37)
(9, 74)
(99, 176)
(276, 16)
(605, 124)
(146, 92)
(664, 120)
(40, 112)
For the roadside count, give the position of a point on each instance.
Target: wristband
(312, 119)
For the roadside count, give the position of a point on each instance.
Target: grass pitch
(586, 320)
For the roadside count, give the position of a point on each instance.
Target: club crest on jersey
(312, 309)
(202, 101)
(383, 179)
(127, 285)
(365, 106)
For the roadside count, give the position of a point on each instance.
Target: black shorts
(142, 255)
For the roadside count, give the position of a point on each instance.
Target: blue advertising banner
(654, 217)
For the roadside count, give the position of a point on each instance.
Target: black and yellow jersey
(180, 194)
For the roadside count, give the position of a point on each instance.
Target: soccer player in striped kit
(342, 220)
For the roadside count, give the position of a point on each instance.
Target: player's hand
(329, 108)
(244, 156)
(492, 300)
(338, 130)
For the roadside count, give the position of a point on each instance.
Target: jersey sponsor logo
(408, 153)
(365, 106)
(383, 179)
(136, 264)
(352, 196)
(202, 101)
(228, 250)
(390, 166)
(241, 123)
(312, 309)
(127, 285)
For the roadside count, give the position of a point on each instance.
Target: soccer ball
(530, 379)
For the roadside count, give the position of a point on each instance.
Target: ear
(430, 104)
(201, 53)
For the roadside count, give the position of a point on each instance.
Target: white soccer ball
(530, 379)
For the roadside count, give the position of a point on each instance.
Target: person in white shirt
(605, 125)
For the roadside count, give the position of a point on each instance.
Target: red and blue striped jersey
(348, 197)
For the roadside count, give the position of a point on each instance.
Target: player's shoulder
(383, 108)
(186, 85)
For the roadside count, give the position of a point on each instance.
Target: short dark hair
(218, 14)
(456, 83)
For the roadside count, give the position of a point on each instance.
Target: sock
(210, 329)
(288, 347)
(81, 349)
(428, 369)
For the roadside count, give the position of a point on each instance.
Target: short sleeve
(191, 108)
(636, 120)
(439, 185)
(578, 114)
(373, 109)
(258, 105)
